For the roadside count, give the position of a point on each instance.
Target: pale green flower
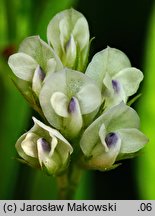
(68, 34)
(114, 133)
(112, 71)
(66, 98)
(44, 147)
(33, 61)
(85, 112)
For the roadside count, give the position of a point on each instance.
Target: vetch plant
(85, 120)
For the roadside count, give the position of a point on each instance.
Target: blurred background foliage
(127, 25)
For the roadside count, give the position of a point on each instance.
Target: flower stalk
(68, 183)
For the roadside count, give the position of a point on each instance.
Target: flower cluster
(84, 106)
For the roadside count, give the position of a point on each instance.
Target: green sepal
(130, 102)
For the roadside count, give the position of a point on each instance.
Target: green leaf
(146, 108)
(15, 120)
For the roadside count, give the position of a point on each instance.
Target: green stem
(68, 182)
(10, 7)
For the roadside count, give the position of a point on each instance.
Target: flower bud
(113, 134)
(68, 34)
(44, 147)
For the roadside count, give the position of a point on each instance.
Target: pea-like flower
(86, 122)
(44, 147)
(113, 73)
(67, 98)
(33, 61)
(68, 34)
(115, 134)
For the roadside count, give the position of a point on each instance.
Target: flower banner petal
(120, 116)
(40, 51)
(109, 60)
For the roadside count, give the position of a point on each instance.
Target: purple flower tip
(72, 105)
(41, 73)
(68, 43)
(45, 145)
(111, 139)
(115, 85)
